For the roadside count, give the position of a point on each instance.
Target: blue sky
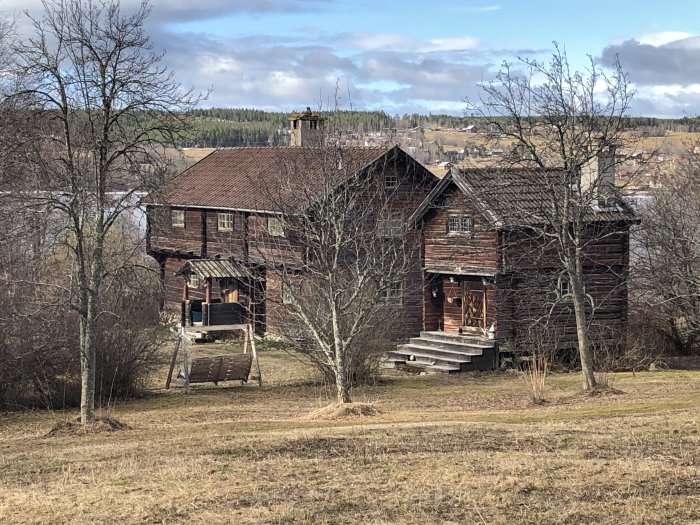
(416, 56)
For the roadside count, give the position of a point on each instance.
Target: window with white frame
(177, 218)
(460, 224)
(225, 221)
(290, 291)
(391, 224)
(394, 292)
(192, 281)
(391, 181)
(275, 226)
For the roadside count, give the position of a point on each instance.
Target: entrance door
(473, 305)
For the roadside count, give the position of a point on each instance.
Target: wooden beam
(173, 360)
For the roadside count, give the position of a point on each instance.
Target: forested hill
(222, 127)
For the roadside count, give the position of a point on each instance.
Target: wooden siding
(604, 246)
(267, 249)
(226, 243)
(458, 253)
(529, 298)
(164, 237)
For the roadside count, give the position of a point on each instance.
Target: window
(178, 218)
(394, 293)
(564, 287)
(391, 181)
(390, 224)
(225, 221)
(290, 291)
(275, 226)
(460, 224)
(192, 281)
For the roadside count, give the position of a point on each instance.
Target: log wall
(457, 252)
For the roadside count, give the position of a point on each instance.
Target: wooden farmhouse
(218, 236)
(493, 280)
(486, 278)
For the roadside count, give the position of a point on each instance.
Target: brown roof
(519, 197)
(246, 178)
(210, 268)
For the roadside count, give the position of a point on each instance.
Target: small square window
(178, 218)
(391, 181)
(225, 221)
(192, 281)
(394, 292)
(275, 226)
(391, 224)
(460, 224)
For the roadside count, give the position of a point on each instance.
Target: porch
(227, 297)
(460, 304)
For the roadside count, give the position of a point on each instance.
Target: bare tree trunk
(584, 344)
(87, 367)
(342, 382)
(88, 350)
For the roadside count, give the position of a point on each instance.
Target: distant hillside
(224, 127)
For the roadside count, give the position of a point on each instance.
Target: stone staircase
(445, 352)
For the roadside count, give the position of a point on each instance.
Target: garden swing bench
(213, 369)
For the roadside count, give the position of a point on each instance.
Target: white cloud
(663, 37)
(401, 42)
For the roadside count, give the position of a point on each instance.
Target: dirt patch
(346, 410)
(76, 428)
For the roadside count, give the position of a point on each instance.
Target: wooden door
(473, 305)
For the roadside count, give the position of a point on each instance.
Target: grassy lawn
(471, 448)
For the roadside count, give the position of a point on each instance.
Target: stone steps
(445, 352)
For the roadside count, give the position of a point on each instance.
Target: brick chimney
(598, 176)
(307, 128)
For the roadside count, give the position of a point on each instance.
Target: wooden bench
(220, 368)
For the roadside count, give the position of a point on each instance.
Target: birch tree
(554, 116)
(348, 260)
(106, 107)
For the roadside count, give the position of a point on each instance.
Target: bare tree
(667, 255)
(345, 262)
(106, 107)
(555, 117)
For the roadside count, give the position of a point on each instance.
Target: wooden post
(173, 361)
(255, 354)
(185, 362)
(485, 309)
(185, 291)
(207, 290)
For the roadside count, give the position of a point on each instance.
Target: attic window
(460, 224)
(275, 227)
(177, 218)
(391, 181)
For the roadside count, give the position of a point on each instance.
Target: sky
(413, 56)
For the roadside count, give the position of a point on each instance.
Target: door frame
(471, 290)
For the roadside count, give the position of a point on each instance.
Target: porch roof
(211, 268)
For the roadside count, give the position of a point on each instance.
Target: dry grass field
(461, 449)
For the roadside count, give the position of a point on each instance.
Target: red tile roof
(245, 178)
